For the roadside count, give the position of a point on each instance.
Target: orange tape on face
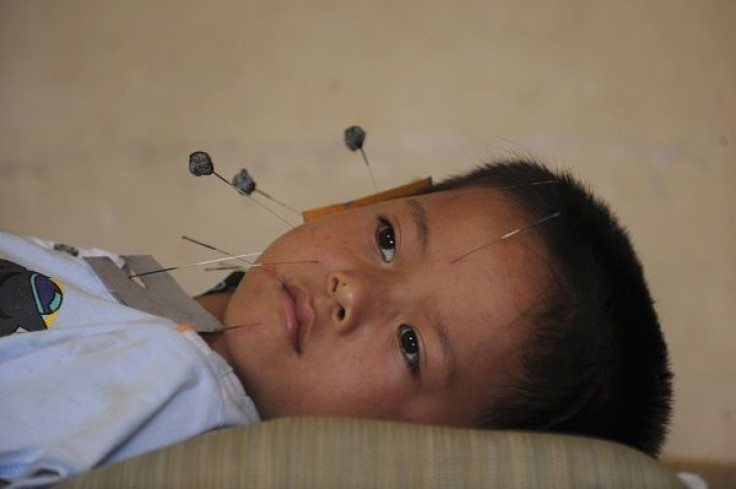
(393, 193)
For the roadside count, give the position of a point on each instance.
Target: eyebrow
(440, 327)
(419, 217)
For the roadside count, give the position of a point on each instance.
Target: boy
(505, 298)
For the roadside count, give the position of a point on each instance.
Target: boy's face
(384, 325)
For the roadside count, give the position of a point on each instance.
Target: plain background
(101, 102)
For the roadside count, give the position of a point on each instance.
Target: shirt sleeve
(77, 398)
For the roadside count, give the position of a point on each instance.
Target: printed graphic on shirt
(29, 301)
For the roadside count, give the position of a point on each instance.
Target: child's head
(550, 329)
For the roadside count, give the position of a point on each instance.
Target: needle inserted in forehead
(218, 260)
(509, 234)
(354, 139)
(200, 164)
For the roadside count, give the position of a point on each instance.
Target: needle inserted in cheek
(250, 264)
(214, 248)
(238, 326)
(217, 260)
(196, 264)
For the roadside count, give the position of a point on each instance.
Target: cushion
(344, 453)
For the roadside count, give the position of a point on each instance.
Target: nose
(351, 296)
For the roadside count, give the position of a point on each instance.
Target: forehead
(482, 298)
(463, 230)
(458, 222)
(488, 211)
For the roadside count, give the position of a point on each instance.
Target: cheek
(309, 242)
(344, 383)
(287, 243)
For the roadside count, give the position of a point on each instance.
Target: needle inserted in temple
(282, 204)
(218, 260)
(241, 192)
(370, 170)
(200, 164)
(245, 184)
(509, 234)
(354, 139)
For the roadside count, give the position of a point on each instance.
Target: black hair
(595, 362)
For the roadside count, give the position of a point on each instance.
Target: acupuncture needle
(531, 184)
(241, 192)
(225, 328)
(354, 139)
(214, 248)
(222, 268)
(218, 260)
(510, 234)
(282, 204)
(200, 164)
(199, 263)
(244, 182)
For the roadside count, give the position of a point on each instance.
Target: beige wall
(102, 100)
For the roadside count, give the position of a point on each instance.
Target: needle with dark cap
(354, 139)
(244, 182)
(200, 164)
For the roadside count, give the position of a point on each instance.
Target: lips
(292, 322)
(299, 314)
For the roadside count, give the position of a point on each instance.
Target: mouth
(292, 321)
(299, 313)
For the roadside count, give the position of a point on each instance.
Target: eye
(409, 344)
(386, 240)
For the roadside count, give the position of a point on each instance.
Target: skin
(368, 312)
